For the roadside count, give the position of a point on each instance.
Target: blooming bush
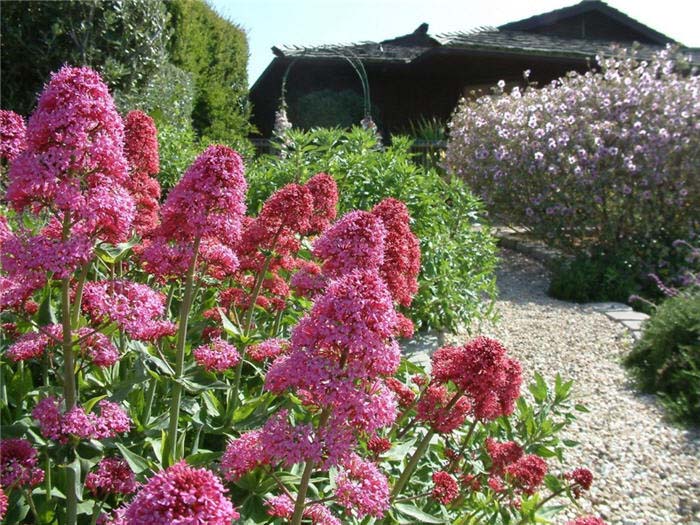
(457, 249)
(183, 362)
(606, 159)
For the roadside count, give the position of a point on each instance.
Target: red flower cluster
(324, 192)
(581, 479)
(502, 454)
(482, 370)
(378, 445)
(445, 487)
(433, 408)
(401, 263)
(404, 395)
(141, 150)
(527, 473)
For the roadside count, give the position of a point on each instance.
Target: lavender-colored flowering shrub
(607, 159)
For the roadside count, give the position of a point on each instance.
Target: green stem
(79, 293)
(419, 452)
(412, 463)
(300, 502)
(32, 505)
(96, 509)
(541, 504)
(69, 387)
(149, 401)
(465, 443)
(180, 354)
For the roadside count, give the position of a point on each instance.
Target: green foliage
(600, 276)
(458, 252)
(327, 109)
(666, 360)
(215, 52)
(125, 40)
(168, 98)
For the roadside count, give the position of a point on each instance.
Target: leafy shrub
(125, 40)
(606, 159)
(457, 280)
(215, 52)
(327, 109)
(597, 277)
(666, 359)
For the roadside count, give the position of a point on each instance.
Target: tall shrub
(125, 40)
(215, 52)
(607, 159)
(457, 280)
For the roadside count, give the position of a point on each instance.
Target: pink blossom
(76, 423)
(356, 241)
(308, 281)
(18, 464)
(134, 307)
(31, 345)
(362, 488)
(74, 161)
(268, 349)
(242, 455)
(217, 355)
(181, 495)
(12, 135)
(3, 503)
(113, 476)
(287, 443)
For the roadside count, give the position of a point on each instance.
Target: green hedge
(126, 41)
(215, 52)
(666, 360)
(457, 282)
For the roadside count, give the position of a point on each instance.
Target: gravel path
(647, 472)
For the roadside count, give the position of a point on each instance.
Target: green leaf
(47, 312)
(581, 408)
(415, 512)
(539, 388)
(137, 463)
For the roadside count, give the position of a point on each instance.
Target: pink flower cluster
(76, 423)
(217, 355)
(283, 507)
(268, 349)
(525, 472)
(586, 520)
(74, 162)
(13, 132)
(112, 476)
(18, 464)
(438, 407)
(361, 488)
(181, 494)
(324, 195)
(208, 204)
(356, 241)
(3, 503)
(94, 345)
(134, 307)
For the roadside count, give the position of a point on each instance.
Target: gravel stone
(647, 471)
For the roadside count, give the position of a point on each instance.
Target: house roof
(587, 6)
(523, 37)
